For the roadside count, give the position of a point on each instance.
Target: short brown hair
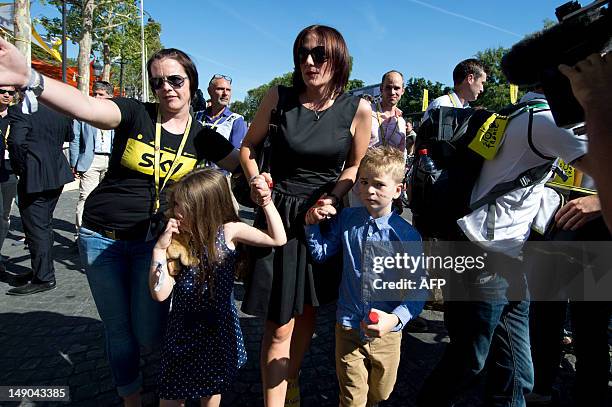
(467, 67)
(337, 57)
(183, 59)
(384, 160)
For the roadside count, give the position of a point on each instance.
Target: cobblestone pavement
(56, 338)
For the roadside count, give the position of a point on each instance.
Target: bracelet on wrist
(36, 83)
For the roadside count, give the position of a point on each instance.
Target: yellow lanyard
(8, 131)
(213, 125)
(450, 96)
(381, 128)
(156, 168)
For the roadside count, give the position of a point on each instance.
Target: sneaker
(537, 399)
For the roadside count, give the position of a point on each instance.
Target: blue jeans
(118, 272)
(491, 331)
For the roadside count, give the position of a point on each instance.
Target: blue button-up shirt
(349, 231)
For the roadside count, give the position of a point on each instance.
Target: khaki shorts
(366, 371)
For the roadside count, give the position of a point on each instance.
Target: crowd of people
(161, 242)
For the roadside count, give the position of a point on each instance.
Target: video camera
(581, 31)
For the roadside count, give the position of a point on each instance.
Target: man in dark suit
(35, 146)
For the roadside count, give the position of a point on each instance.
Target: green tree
(249, 106)
(354, 84)
(114, 30)
(240, 107)
(412, 101)
(497, 89)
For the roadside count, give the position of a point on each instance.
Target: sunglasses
(219, 76)
(10, 92)
(175, 81)
(318, 54)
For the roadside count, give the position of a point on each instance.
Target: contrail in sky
(215, 62)
(248, 22)
(473, 20)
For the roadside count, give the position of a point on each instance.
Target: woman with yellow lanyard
(155, 144)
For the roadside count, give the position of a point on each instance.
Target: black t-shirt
(125, 198)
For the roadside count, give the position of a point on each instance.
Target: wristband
(252, 178)
(36, 84)
(34, 89)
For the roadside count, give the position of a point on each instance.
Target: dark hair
(103, 85)
(337, 57)
(468, 67)
(388, 73)
(183, 59)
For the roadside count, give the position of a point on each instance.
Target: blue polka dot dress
(203, 347)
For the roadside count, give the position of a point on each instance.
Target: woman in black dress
(323, 135)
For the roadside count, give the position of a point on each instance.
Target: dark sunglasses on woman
(176, 81)
(10, 92)
(318, 54)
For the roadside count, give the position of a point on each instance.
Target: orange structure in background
(55, 72)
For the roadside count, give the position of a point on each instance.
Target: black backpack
(439, 198)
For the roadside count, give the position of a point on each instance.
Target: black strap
(530, 136)
(530, 177)
(265, 157)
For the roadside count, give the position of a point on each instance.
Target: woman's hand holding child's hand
(261, 193)
(166, 238)
(319, 212)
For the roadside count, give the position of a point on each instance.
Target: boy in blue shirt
(367, 351)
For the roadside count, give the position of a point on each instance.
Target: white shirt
(515, 211)
(449, 100)
(102, 142)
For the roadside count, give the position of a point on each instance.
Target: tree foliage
(354, 84)
(115, 34)
(249, 106)
(412, 100)
(497, 88)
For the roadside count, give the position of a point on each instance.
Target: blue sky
(251, 41)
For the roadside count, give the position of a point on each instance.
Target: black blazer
(35, 145)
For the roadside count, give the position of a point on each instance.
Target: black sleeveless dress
(307, 157)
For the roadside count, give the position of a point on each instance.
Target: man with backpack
(469, 77)
(489, 324)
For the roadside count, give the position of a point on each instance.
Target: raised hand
(591, 79)
(13, 68)
(166, 238)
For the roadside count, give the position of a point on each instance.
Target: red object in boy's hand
(373, 317)
(270, 184)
